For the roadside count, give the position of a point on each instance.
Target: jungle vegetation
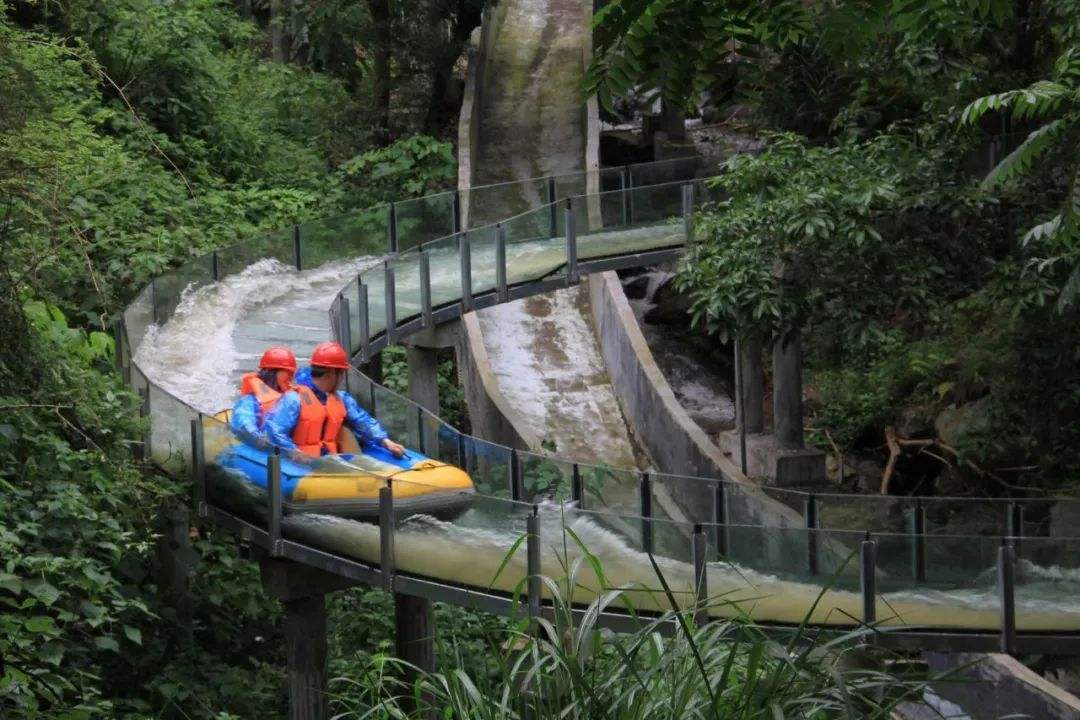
(135, 134)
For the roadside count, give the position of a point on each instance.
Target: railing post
(500, 263)
(1014, 523)
(740, 402)
(868, 579)
(297, 254)
(918, 541)
(391, 304)
(720, 518)
(571, 244)
(215, 270)
(1006, 572)
(466, 272)
(144, 412)
(346, 324)
(362, 312)
(455, 209)
(532, 550)
(517, 490)
(273, 489)
(624, 194)
(462, 457)
(645, 496)
(629, 195)
(700, 554)
(812, 534)
(553, 210)
(391, 228)
(425, 290)
(198, 465)
(386, 535)
(688, 212)
(118, 344)
(577, 488)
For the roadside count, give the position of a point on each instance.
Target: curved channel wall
(931, 580)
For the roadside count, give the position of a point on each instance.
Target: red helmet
(330, 355)
(278, 358)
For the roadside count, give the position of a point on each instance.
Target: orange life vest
(266, 396)
(318, 426)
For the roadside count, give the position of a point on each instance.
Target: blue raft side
(252, 463)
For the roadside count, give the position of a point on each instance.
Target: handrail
(579, 256)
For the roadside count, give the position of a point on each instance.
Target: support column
(424, 377)
(305, 648)
(787, 392)
(414, 621)
(302, 589)
(753, 387)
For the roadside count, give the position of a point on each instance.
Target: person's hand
(395, 449)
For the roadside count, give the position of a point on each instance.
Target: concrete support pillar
(305, 648)
(414, 625)
(753, 387)
(672, 121)
(424, 377)
(414, 621)
(787, 392)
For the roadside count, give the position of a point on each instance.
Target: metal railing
(578, 242)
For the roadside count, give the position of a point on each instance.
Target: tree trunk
(380, 18)
(279, 38)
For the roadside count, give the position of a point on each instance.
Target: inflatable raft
(348, 484)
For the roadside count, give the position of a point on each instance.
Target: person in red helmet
(306, 421)
(260, 391)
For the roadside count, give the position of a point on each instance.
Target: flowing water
(218, 331)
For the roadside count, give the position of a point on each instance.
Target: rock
(953, 422)
(636, 288)
(915, 422)
(868, 476)
(671, 307)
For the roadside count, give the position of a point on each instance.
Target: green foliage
(1054, 243)
(844, 242)
(415, 166)
(563, 668)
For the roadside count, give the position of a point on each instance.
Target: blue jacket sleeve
(281, 421)
(244, 419)
(368, 429)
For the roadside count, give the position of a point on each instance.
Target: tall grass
(565, 666)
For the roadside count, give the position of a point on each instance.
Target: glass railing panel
(622, 232)
(362, 389)
(393, 412)
(138, 316)
(488, 464)
(544, 477)
(1047, 576)
(170, 431)
(610, 490)
(490, 204)
(531, 253)
(683, 499)
(444, 258)
(406, 285)
(765, 575)
(242, 255)
(351, 293)
(358, 234)
(482, 243)
(424, 219)
(167, 290)
(966, 516)
(865, 512)
(656, 205)
(618, 544)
